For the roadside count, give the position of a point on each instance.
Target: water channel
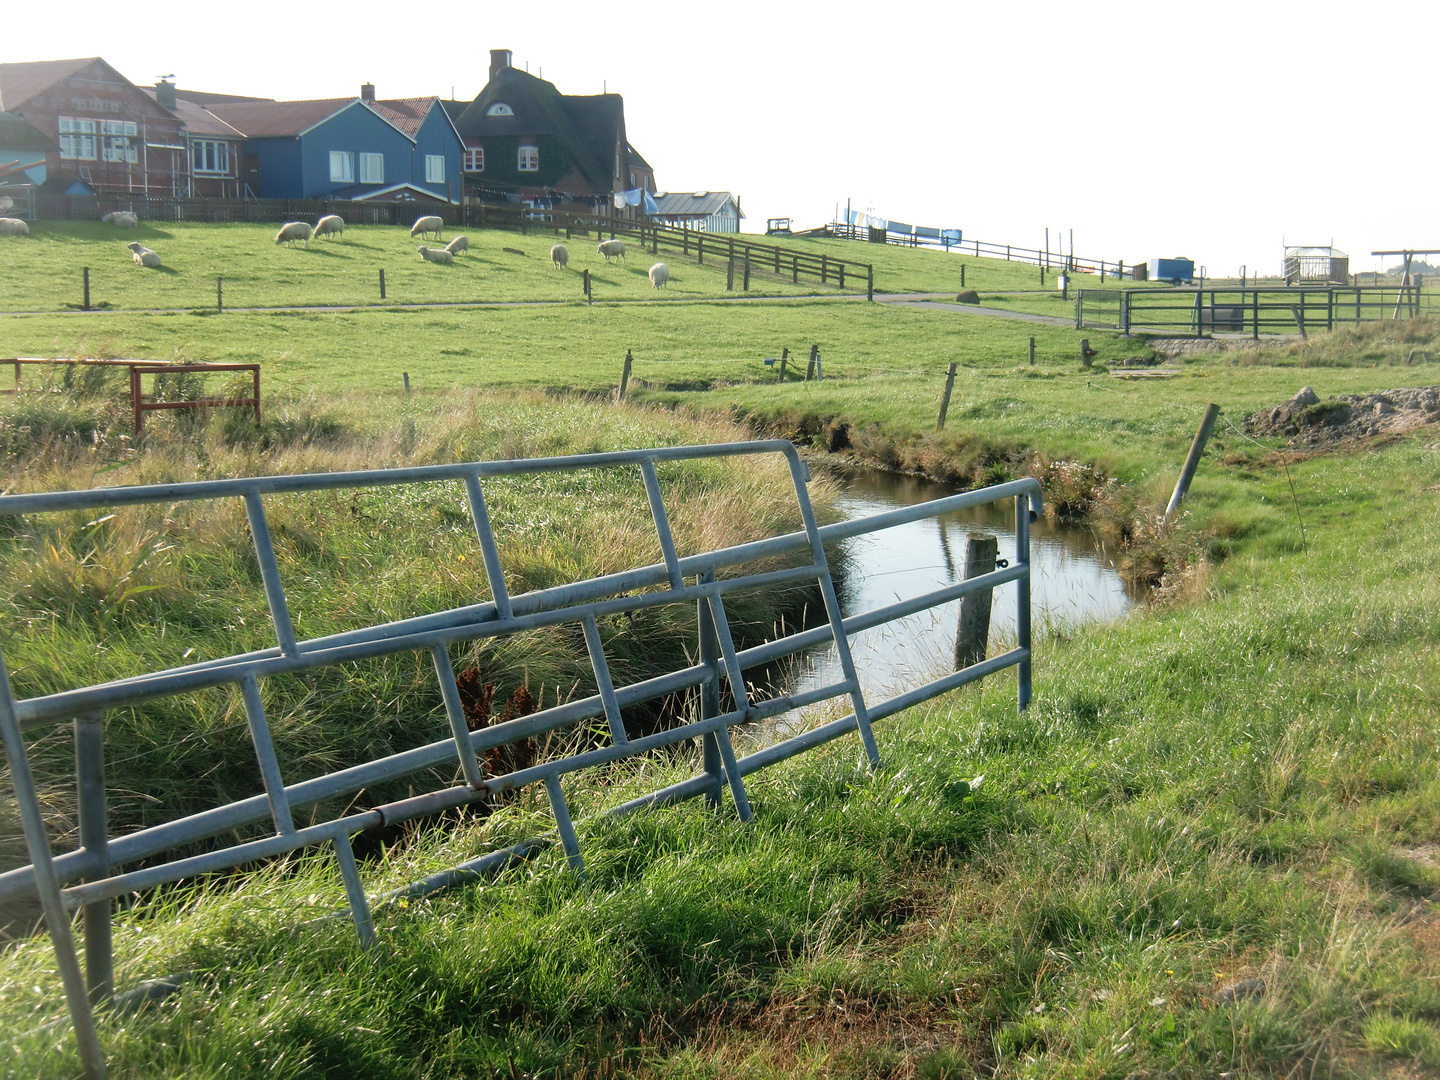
(1073, 581)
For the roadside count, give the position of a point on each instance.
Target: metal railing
(1277, 310)
(89, 877)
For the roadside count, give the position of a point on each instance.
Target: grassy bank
(1203, 850)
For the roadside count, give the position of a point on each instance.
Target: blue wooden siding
(355, 130)
(436, 136)
(280, 172)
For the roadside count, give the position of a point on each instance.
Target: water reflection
(1073, 581)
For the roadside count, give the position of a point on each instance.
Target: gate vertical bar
(733, 676)
(603, 685)
(354, 890)
(1022, 598)
(709, 694)
(265, 755)
(57, 921)
(455, 713)
(95, 839)
(568, 840)
(481, 517)
(270, 574)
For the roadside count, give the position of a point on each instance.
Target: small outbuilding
(1316, 266)
(706, 211)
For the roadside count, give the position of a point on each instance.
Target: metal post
(270, 574)
(354, 891)
(265, 755)
(709, 695)
(1022, 599)
(568, 840)
(945, 397)
(57, 921)
(1192, 459)
(95, 840)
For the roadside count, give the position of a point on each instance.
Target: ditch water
(1073, 581)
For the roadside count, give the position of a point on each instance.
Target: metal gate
(89, 878)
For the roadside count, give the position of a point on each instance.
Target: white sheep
(122, 219)
(10, 226)
(292, 231)
(329, 225)
(659, 275)
(560, 256)
(428, 224)
(436, 255)
(458, 245)
(611, 249)
(142, 255)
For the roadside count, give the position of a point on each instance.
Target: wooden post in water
(972, 631)
(624, 377)
(1192, 459)
(945, 397)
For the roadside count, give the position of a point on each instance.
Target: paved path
(975, 309)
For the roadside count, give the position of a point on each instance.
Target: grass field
(1208, 848)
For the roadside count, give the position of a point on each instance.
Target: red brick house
(112, 136)
(212, 147)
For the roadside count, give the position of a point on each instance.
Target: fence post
(945, 397)
(962, 275)
(382, 283)
(972, 630)
(825, 273)
(1079, 309)
(784, 359)
(730, 274)
(1042, 277)
(870, 283)
(94, 838)
(1084, 352)
(1032, 352)
(810, 367)
(219, 294)
(700, 249)
(86, 305)
(588, 298)
(746, 286)
(1298, 316)
(1255, 311)
(1329, 309)
(624, 377)
(1192, 459)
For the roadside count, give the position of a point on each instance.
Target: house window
(118, 148)
(474, 159)
(210, 156)
(77, 139)
(529, 159)
(499, 109)
(372, 168)
(434, 168)
(342, 167)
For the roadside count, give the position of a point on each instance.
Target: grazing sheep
(436, 255)
(10, 226)
(122, 219)
(458, 245)
(142, 255)
(329, 225)
(6, 202)
(560, 256)
(428, 224)
(292, 231)
(659, 275)
(611, 249)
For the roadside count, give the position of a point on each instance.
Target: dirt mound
(1308, 421)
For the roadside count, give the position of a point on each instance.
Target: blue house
(23, 150)
(347, 148)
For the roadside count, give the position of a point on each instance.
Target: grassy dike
(1208, 847)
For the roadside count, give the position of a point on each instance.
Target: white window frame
(528, 159)
(435, 168)
(210, 157)
(372, 169)
(499, 109)
(474, 159)
(342, 167)
(77, 139)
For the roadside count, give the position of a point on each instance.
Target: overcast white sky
(1214, 130)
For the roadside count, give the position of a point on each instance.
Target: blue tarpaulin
(899, 227)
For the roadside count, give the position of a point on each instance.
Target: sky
(1219, 131)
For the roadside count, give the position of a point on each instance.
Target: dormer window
(499, 109)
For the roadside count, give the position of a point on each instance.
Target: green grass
(1235, 784)
(44, 270)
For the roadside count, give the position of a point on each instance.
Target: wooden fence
(743, 258)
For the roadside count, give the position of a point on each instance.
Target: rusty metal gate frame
(87, 878)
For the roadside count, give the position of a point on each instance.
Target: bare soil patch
(1308, 421)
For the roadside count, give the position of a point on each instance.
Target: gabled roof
(696, 204)
(18, 135)
(407, 114)
(279, 119)
(634, 160)
(197, 119)
(362, 192)
(586, 127)
(201, 97)
(21, 82)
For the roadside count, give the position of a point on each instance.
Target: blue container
(1175, 271)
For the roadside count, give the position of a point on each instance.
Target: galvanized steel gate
(88, 877)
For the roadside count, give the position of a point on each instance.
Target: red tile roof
(267, 119)
(21, 82)
(405, 113)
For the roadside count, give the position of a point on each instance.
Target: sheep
(329, 225)
(122, 219)
(142, 255)
(292, 231)
(10, 226)
(436, 255)
(458, 245)
(611, 249)
(6, 202)
(659, 275)
(560, 256)
(428, 224)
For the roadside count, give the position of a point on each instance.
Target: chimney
(165, 93)
(499, 61)
(367, 91)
